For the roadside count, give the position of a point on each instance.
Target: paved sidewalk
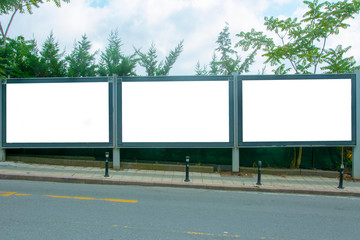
(270, 183)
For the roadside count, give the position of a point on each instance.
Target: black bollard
(187, 179)
(106, 164)
(259, 173)
(341, 181)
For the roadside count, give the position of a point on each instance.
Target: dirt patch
(236, 174)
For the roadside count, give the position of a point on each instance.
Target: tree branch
(283, 43)
(2, 31)
(11, 19)
(322, 50)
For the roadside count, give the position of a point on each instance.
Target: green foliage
(51, 59)
(214, 66)
(152, 66)
(229, 61)
(148, 60)
(7, 6)
(303, 42)
(337, 63)
(113, 61)
(19, 58)
(81, 61)
(200, 71)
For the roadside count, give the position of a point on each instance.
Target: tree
(229, 61)
(336, 61)
(200, 71)
(152, 66)
(303, 42)
(214, 66)
(19, 58)
(81, 61)
(302, 47)
(22, 6)
(113, 61)
(51, 59)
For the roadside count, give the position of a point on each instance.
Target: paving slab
(93, 175)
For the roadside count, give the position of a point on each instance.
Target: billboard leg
(356, 149)
(116, 158)
(235, 160)
(356, 163)
(2, 155)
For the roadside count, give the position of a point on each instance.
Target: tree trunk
(298, 160)
(292, 164)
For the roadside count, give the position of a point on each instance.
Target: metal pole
(356, 149)
(107, 165)
(187, 179)
(235, 150)
(116, 150)
(2, 151)
(341, 181)
(259, 173)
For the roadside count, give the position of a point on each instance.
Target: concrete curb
(109, 181)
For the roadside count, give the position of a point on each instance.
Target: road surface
(45, 210)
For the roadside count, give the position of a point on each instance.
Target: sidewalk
(270, 183)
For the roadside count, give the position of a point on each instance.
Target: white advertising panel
(57, 112)
(296, 110)
(179, 111)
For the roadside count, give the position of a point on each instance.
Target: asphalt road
(42, 210)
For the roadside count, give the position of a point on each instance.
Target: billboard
(59, 112)
(175, 112)
(299, 111)
(182, 111)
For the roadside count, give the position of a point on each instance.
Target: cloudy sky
(164, 22)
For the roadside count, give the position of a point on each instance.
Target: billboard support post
(116, 150)
(356, 150)
(2, 151)
(235, 150)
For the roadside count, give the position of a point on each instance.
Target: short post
(187, 179)
(341, 181)
(259, 173)
(106, 164)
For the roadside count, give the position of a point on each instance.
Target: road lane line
(91, 198)
(55, 196)
(119, 200)
(84, 198)
(200, 233)
(6, 194)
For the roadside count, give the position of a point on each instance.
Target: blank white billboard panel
(296, 110)
(194, 111)
(57, 112)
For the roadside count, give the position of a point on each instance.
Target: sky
(164, 23)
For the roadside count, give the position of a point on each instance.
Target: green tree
(19, 58)
(51, 59)
(200, 71)
(214, 66)
(336, 61)
(303, 42)
(155, 68)
(229, 61)
(113, 61)
(302, 46)
(14, 6)
(81, 61)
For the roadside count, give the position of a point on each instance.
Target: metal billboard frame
(243, 144)
(6, 145)
(122, 144)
